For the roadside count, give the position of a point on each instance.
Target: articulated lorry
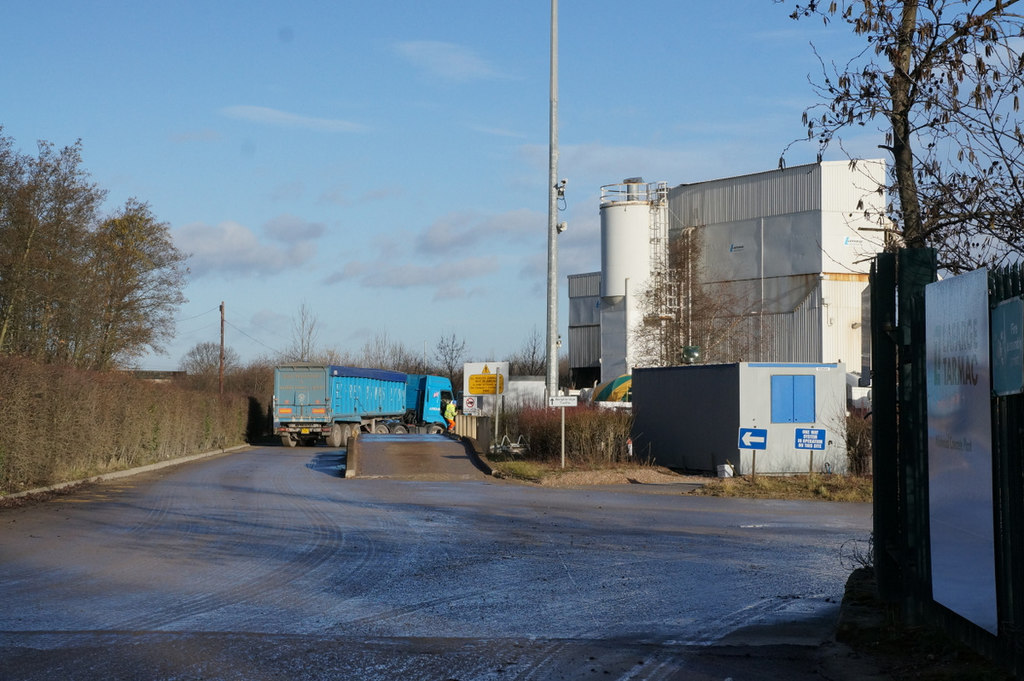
(314, 403)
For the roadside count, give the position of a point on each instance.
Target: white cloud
(499, 132)
(231, 250)
(474, 233)
(285, 119)
(289, 228)
(447, 60)
(447, 280)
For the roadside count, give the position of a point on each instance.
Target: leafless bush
(858, 441)
(593, 437)
(857, 553)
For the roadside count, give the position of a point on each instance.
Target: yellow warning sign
(485, 383)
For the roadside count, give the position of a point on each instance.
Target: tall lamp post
(554, 191)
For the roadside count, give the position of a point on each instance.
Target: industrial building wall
(794, 246)
(686, 417)
(820, 217)
(584, 328)
(614, 339)
(843, 319)
(747, 197)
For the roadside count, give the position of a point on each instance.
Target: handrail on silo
(633, 189)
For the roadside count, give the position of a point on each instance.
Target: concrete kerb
(125, 473)
(477, 454)
(351, 458)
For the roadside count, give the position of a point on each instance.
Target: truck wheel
(399, 429)
(435, 429)
(287, 440)
(336, 437)
(381, 428)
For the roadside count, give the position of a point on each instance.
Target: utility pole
(221, 373)
(553, 194)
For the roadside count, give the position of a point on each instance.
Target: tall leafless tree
(942, 79)
(305, 335)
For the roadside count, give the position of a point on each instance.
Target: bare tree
(47, 207)
(450, 354)
(944, 78)
(202, 364)
(685, 321)
(530, 359)
(136, 277)
(305, 332)
(76, 287)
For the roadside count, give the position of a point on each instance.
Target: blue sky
(386, 164)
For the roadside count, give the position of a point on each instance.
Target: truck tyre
(287, 440)
(399, 429)
(435, 429)
(381, 428)
(337, 436)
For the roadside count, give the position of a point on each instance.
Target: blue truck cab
(426, 396)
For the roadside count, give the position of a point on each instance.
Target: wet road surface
(264, 564)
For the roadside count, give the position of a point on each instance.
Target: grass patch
(528, 471)
(808, 487)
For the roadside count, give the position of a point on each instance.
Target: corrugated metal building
(791, 247)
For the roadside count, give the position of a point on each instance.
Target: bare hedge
(59, 424)
(593, 436)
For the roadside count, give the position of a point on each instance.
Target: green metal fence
(900, 446)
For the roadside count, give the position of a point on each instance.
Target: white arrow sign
(749, 438)
(753, 438)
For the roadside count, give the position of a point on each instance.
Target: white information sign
(960, 448)
(563, 401)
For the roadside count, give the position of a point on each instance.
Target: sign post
(563, 401)
(485, 378)
(811, 439)
(753, 439)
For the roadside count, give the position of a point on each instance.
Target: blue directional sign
(810, 438)
(753, 438)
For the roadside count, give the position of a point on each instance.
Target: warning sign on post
(486, 384)
(485, 378)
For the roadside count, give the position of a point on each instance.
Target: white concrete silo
(633, 237)
(625, 238)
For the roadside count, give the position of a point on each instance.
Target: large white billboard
(960, 448)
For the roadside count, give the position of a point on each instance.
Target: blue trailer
(314, 403)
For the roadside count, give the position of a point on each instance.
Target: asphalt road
(264, 564)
